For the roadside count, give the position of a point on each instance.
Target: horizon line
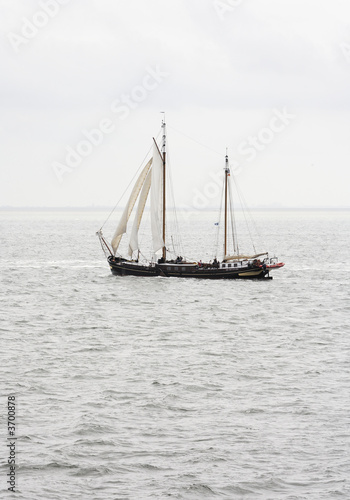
(9, 208)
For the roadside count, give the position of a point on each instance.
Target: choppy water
(132, 388)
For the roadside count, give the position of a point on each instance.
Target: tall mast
(164, 182)
(227, 173)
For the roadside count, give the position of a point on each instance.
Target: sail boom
(242, 257)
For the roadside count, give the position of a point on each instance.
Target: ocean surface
(140, 388)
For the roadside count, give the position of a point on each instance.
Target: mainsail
(134, 243)
(157, 200)
(121, 229)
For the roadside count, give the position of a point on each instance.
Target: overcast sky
(83, 83)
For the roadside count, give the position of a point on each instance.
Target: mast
(227, 173)
(164, 182)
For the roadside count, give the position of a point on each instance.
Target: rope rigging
(174, 240)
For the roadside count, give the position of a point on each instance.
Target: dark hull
(127, 269)
(217, 274)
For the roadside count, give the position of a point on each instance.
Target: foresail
(156, 200)
(134, 241)
(121, 229)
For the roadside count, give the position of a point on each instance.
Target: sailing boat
(152, 182)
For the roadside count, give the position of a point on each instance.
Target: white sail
(157, 200)
(121, 229)
(134, 241)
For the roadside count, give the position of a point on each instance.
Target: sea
(124, 388)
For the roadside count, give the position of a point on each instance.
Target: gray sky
(84, 81)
